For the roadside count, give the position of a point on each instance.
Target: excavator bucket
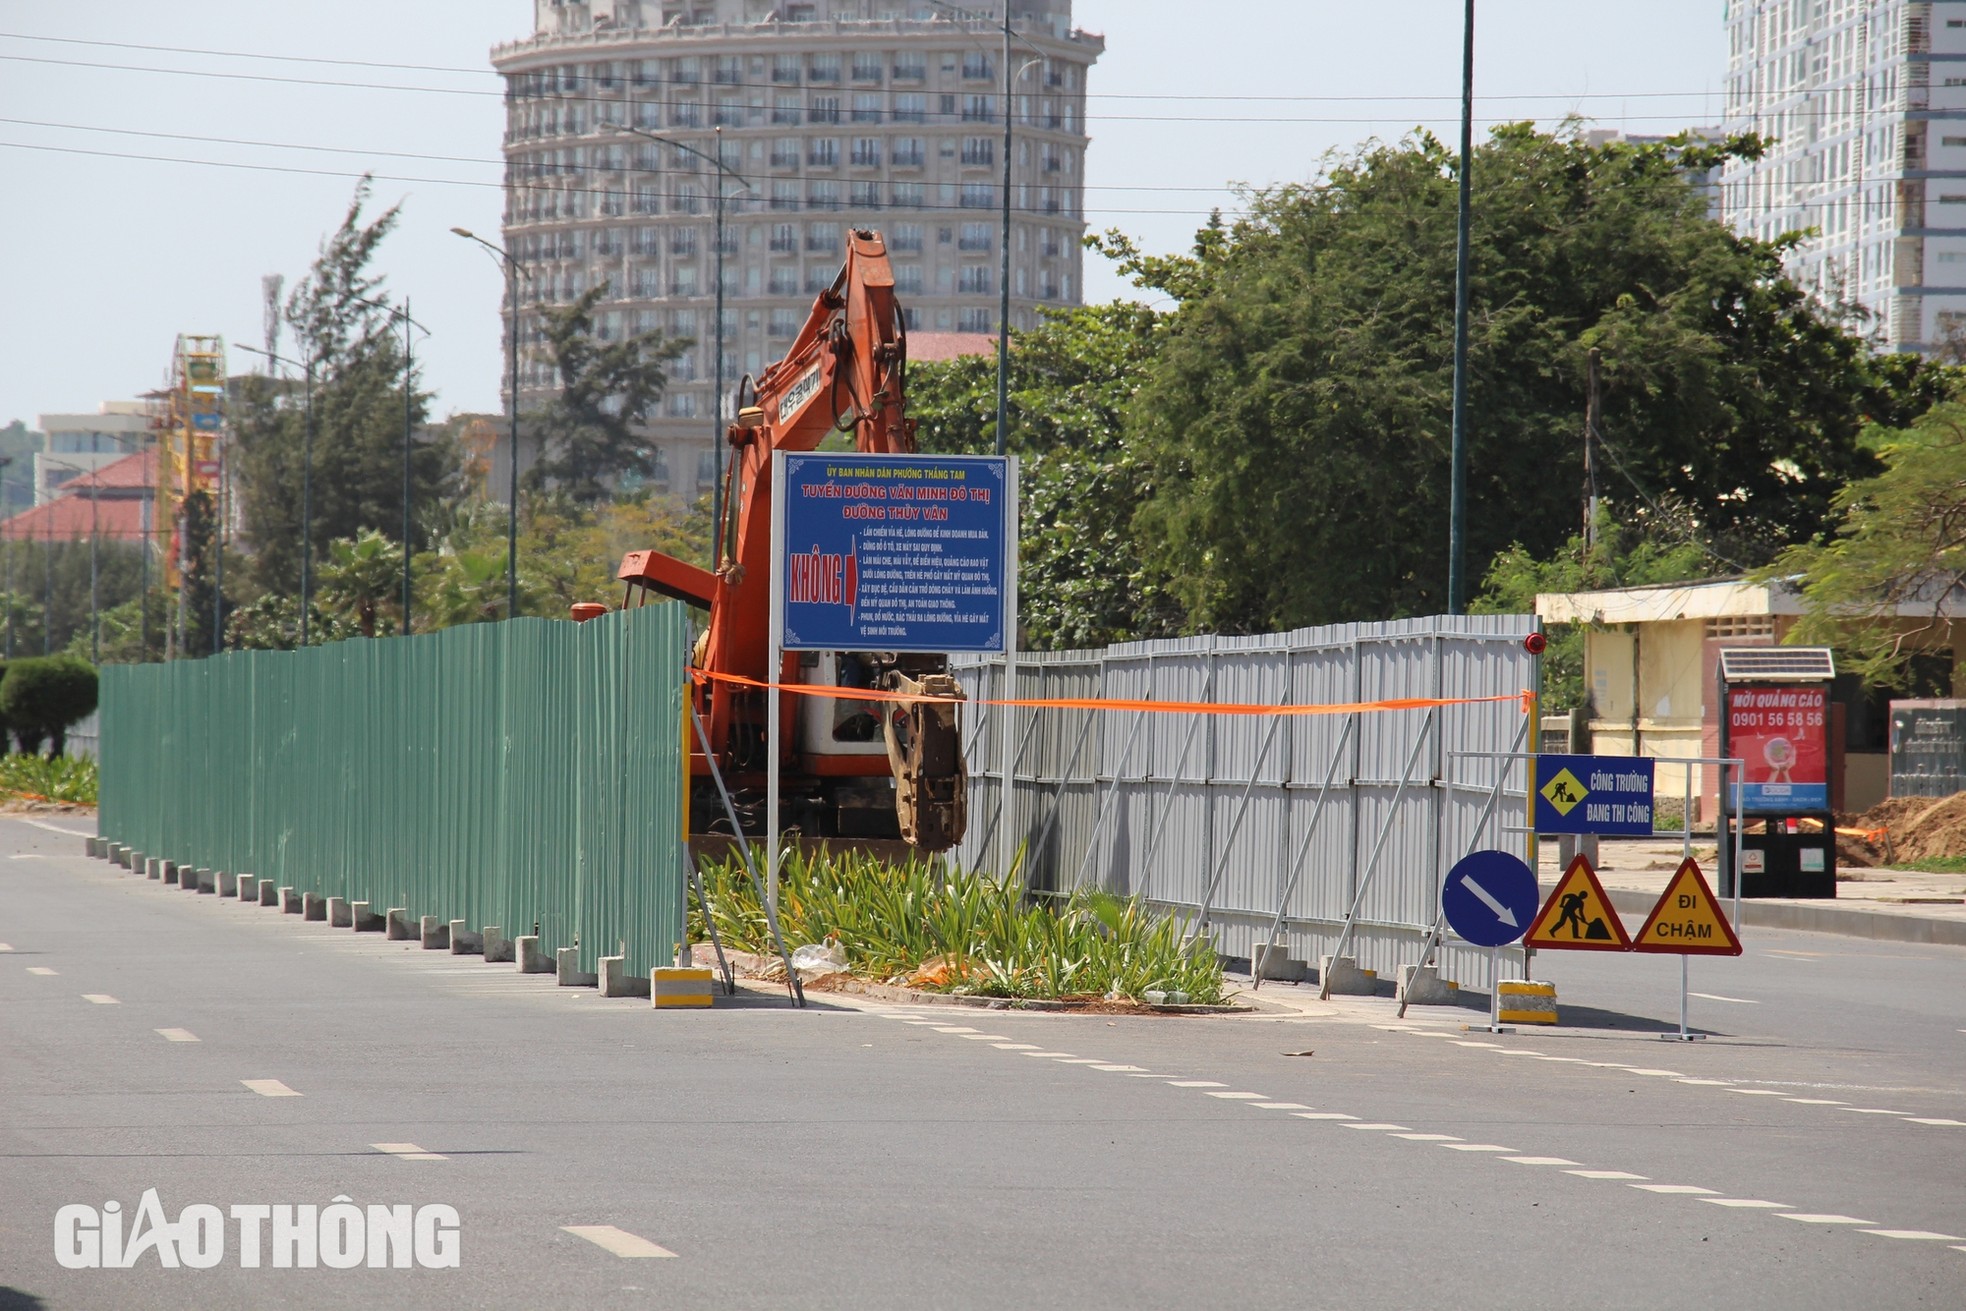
(924, 749)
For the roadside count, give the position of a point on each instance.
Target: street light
(306, 480)
(409, 426)
(1457, 488)
(717, 405)
(512, 271)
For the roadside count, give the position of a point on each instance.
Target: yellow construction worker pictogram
(1565, 792)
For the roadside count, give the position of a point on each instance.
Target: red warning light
(1535, 643)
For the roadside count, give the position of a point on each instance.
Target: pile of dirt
(1912, 828)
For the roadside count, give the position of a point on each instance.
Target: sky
(117, 234)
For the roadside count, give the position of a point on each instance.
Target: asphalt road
(875, 1156)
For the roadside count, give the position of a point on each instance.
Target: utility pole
(1003, 292)
(1592, 415)
(409, 427)
(1457, 500)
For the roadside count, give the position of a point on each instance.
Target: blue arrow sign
(1490, 898)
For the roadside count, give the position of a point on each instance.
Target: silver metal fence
(1262, 829)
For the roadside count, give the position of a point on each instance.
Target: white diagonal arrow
(1502, 913)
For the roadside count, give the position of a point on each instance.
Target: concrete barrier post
(226, 883)
(290, 901)
(168, 871)
(397, 926)
(498, 947)
(152, 867)
(617, 980)
(93, 846)
(1341, 976)
(248, 888)
(207, 880)
(339, 914)
(269, 895)
(1272, 961)
(436, 934)
(314, 906)
(1421, 985)
(366, 920)
(464, 942)
(566, 965)
(673, 987)
(528, 956)
(1527, 1001)
(135, 862)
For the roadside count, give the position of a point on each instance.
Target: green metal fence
(517, 774)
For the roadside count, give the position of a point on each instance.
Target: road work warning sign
(1578, 916)
(1687, 921)
(1593, 794)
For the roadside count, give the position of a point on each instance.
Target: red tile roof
(132, 471)
(116, 511)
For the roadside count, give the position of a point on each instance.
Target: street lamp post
(717, 405)
(512, 271)
(1457, 490)
(306, 479)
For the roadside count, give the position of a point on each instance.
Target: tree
(589, 443)
(1899, 539)
(361, 577)
(1084, 582)
(1295, 413)
(41, 697)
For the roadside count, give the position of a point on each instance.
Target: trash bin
(1778, 863)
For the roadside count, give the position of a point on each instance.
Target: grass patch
(926, 925)
(36, 778)
(1934, 865)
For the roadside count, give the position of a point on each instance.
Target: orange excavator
(850, 769)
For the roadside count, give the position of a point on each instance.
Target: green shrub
(41, 697)
(37, 778)
(976, 934)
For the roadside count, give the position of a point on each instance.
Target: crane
(852, 769)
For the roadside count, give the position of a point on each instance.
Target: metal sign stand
(744, 850)
(774, 674)
(1686, 853)
(1494, 1024)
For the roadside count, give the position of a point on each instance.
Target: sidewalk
(1895, 905)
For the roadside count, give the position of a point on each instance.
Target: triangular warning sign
(1578, 916)
(1687, 921)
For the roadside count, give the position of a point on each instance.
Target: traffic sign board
(1489, 898)
(1687, 920)
(1578, 916)
(1594, 794)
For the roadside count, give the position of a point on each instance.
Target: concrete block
(436, 934)
(1421, 985)
(207, 880)
(529, 958)
(152, 867)
(339, 915)
(365, 920)
(679, 987)
(566, 964)
(227, 883)
(1272, 961)
(93, 846)
(1571, 845)
(618, 981)
(464, 942)
(396, 925)
(248, 888)
(1526, 1001)
(168, 871)
(314, 906)
(291, 902)
(122, 855)
(1341, 976)
(187, 877)
(269, 895)
(135, 862)
(498, 947)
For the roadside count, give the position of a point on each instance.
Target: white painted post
(774, 668)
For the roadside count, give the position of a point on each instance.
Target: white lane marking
(1714, 996)
(1520, 1051)
(1469, 1042)
(1195, 1083)
(1077, 1060)
(1749, 1203)
(1817, 1101)
(1868, 1110)
(1825, 1219)
(39, 969)
(1568, 1060)
(987, 1037)
(1540, 1160)
(953, 1028)
(1915, 1234)
(1428, 1137)
(100, 999)
(1475, 1147)
(1280, 1106)
(6, 946)
(618, 1241)
(1240, 1096)
(1708, 1083)
(1688, 1190)
(1323, 1115)
(1015, 1046)
(1758, 1092)
(1604, 1174)
(177, 1035)
(408, 1152)
(930, 1023)
(28, 855)
(269, 1087)
(1045, 1055)
(1915, 1119)
(1378, 1125)
(1122, 1069)
(1661, 1074)
(52, 828)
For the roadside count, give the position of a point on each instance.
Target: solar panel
(1757, 664)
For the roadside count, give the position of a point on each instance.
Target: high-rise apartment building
(826, 116)
(1865, 101)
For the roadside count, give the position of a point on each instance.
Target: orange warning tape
(1088, 703)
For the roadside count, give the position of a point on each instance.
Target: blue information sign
(1490, 898)
(895, 552)
(1593, 794)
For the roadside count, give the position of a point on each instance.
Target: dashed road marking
(1015, 1046)
(1748, 1203)
(1122, 1069)
(1468, 1042)
(1809, 1219)
(1045, 1055)
(1519, 1051)
(1758, 1092)
(1379, 1125)
(1540, 1160)
(953, 1028)
(1919, 1119)
(39, 969)
(1280, 1106)
(1870, 1110)
(1240, 1096)
(987, 1037)
(1428, 1137)
(269, 1087)
(6, 946)
(618, 1241)
(1078, 1060)
(1475, 1147)
(177, 1035)
(1688, 1190)
(408, 1152)
(1661, 1074)
(1604, 1174)
(1195, 1083)
(1708, 1083)
(1714, 996)
(100, 999)
(1817, 1101)
(1916, 1235)
(1324, 1115)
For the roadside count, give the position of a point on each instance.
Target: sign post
(1687, 921)
(1489, 899)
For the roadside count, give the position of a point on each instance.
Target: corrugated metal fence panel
(512, 774)
(1214, 814)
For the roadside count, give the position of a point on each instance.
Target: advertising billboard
(1782, 732)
